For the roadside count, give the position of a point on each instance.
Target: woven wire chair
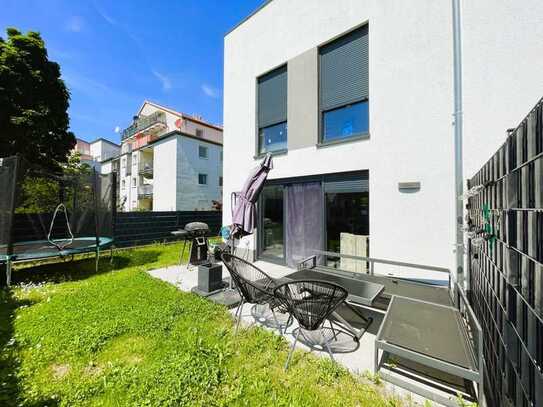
(254, 286)
(310, 302)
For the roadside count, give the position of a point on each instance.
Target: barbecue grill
(195, 235)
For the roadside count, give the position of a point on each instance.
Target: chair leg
(238, 315)
(292, 348)
(277, 322)
(327, 346)
(333, 330)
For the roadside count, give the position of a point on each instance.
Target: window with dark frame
(220, 181)
(199, 133)
(202, 179)
(343, 87)
(272, 111)
(202, 151)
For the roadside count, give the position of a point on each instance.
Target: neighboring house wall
(101, 150)
(190, 194)
(164, 169)
(175, 164)
(410, 105)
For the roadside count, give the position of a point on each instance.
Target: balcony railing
(145, 191)
(146, 169)
(156, 120)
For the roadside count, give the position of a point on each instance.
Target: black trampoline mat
(429, 329)
(39, 249)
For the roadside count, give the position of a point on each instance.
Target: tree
(33, 102)
(42, 193)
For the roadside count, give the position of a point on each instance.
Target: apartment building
(97, 153)
(355, 100)
(169, 161)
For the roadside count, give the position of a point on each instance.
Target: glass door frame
(284, 182)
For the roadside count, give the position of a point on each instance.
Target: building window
(123, 184)
(220, 181)
(199, 133)
(343, 86)
(272, 110)
(221, 156)
(202, 152)
(134, 182)
(202, 179)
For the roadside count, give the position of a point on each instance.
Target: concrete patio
(358, 357)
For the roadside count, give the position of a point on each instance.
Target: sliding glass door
(324, 212)
(272, 222)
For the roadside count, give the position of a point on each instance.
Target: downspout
(458, 159)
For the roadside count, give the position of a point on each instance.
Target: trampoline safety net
(45, 214)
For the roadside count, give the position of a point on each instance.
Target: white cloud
(75, 24)
(165, 81)
(210, 91)
(117, 129)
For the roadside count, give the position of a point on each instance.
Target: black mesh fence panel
(8, 176)
(506, 264)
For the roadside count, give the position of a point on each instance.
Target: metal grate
(506, 264)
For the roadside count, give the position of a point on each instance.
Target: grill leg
(292, 348)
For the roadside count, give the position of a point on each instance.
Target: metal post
(458, 159)
(8, 273)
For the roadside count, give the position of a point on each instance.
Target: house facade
(169, 161)
(355, 100)
(97, 153)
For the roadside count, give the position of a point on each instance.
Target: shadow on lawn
(82, 268)
(10, 388)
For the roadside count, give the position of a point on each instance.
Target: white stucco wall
(165, 169)
(101, 150)
(191, 195)
(411, 105)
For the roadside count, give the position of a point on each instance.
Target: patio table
(359, 293)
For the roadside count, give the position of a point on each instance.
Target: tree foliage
(41, 193)
(33, 102)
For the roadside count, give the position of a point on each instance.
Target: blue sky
(115, 54)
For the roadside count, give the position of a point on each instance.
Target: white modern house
(169, 161)
(98, 153)
(355, 99)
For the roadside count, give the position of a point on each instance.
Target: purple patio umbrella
(243, 210)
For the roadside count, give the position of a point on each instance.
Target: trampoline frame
(9, 258)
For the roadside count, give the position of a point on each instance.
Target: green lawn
(120, 337)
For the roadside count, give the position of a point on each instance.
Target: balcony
(146, 124)
(145, 191)
(146, 169)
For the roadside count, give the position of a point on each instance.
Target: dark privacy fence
(137, 228)
(131, 228)
(506, 266)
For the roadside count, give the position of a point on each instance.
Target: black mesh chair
(310, 302)
(254, 286)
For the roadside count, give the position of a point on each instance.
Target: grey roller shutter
(272, 97)
(349, 186)
(344, 70)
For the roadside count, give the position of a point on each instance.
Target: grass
(70, 336)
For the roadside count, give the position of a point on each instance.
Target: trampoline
(46, 214)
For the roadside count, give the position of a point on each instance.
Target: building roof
(180, 114)
(264, 4)
(180, 133)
